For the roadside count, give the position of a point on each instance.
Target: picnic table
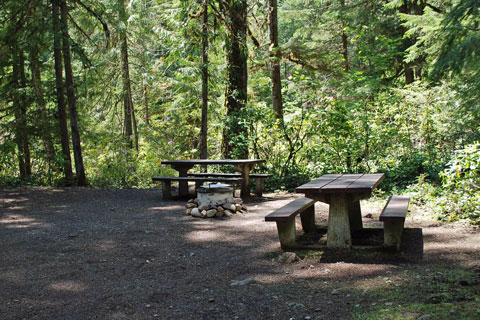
(243, 166)
(343, 193)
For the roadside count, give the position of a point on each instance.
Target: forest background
(313, 87)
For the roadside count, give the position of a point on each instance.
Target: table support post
(338, 235)
(182, 185)
(355, 215)
(308, 220)
(286, 233)
(244, 170)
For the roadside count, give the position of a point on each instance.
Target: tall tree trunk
(129, 115)
(71, 99)
(204, 125)
(406, 43)
(235, 134)
(61, 106)
(275, 56)
(41, 107)
(346, 63)
(20, 111)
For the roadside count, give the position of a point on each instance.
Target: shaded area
(127, 254)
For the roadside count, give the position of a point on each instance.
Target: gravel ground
(80, 253)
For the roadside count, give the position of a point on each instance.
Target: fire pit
(214, 200)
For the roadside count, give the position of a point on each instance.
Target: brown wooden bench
(259, 178)
(285, 219)
(393, 217)
(167, 182)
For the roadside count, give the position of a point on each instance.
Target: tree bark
(41, 107)
(204, 124)
(275, 57)
(20, 111)
(61, 107)
(406, 43)
(235, 134)
(129, 114)
(71, 99)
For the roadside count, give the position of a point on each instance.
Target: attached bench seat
(393, 217)
(259, 178)
(167, 182)
(285, 219)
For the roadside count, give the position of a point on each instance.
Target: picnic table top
(209, 161)
(342, 183)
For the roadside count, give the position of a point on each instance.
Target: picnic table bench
(167, 182)
(393, 217)
(285, 219)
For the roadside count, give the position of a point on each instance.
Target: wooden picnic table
(343, 193)
(244, 166)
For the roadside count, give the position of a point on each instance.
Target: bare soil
(80, 253)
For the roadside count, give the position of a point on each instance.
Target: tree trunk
(61, 107)
(41, 107)
(204, 125)
(20, 111)
(275, 56)
(346, 64)
(235, 134)
(406, 43)
(129, 115)
(71, 99)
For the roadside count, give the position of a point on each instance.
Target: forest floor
(79, 253)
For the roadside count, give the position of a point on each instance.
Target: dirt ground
(79, 253)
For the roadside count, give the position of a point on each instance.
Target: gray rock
(237, 200)
(195, 212)
(188, 212)
(204, 207)
(288, 257)
(203, 213)
(220, 213)
(227, 205)
(211, 213)
(243, 282)
(232, 208)
(190, 205)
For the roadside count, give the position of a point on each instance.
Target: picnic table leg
(338, 235)
(182, 185)
(167, 189)
(355, 215)
(308, 220)
(244, 169)
(258, 187)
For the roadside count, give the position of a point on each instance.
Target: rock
(196, 201)
(233, 207)
(238, 207)
(220, 208)
(190, 205)
(237, 201)
(203, 213)
(369, 216)
(424, 317)
(211, 213)
(336, 292)
(195, 212)
(243, 282)
(227, 205)
(288, 257)
(203, 207)
(228, 213)
(220, 213)
(191, 201)
(188, 212)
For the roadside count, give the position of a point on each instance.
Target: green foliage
(462, 183)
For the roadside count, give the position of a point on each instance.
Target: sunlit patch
(205, 235)
(106, 245)
(166, 208)
(12, 275)
(69, 286)
(18, 221)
